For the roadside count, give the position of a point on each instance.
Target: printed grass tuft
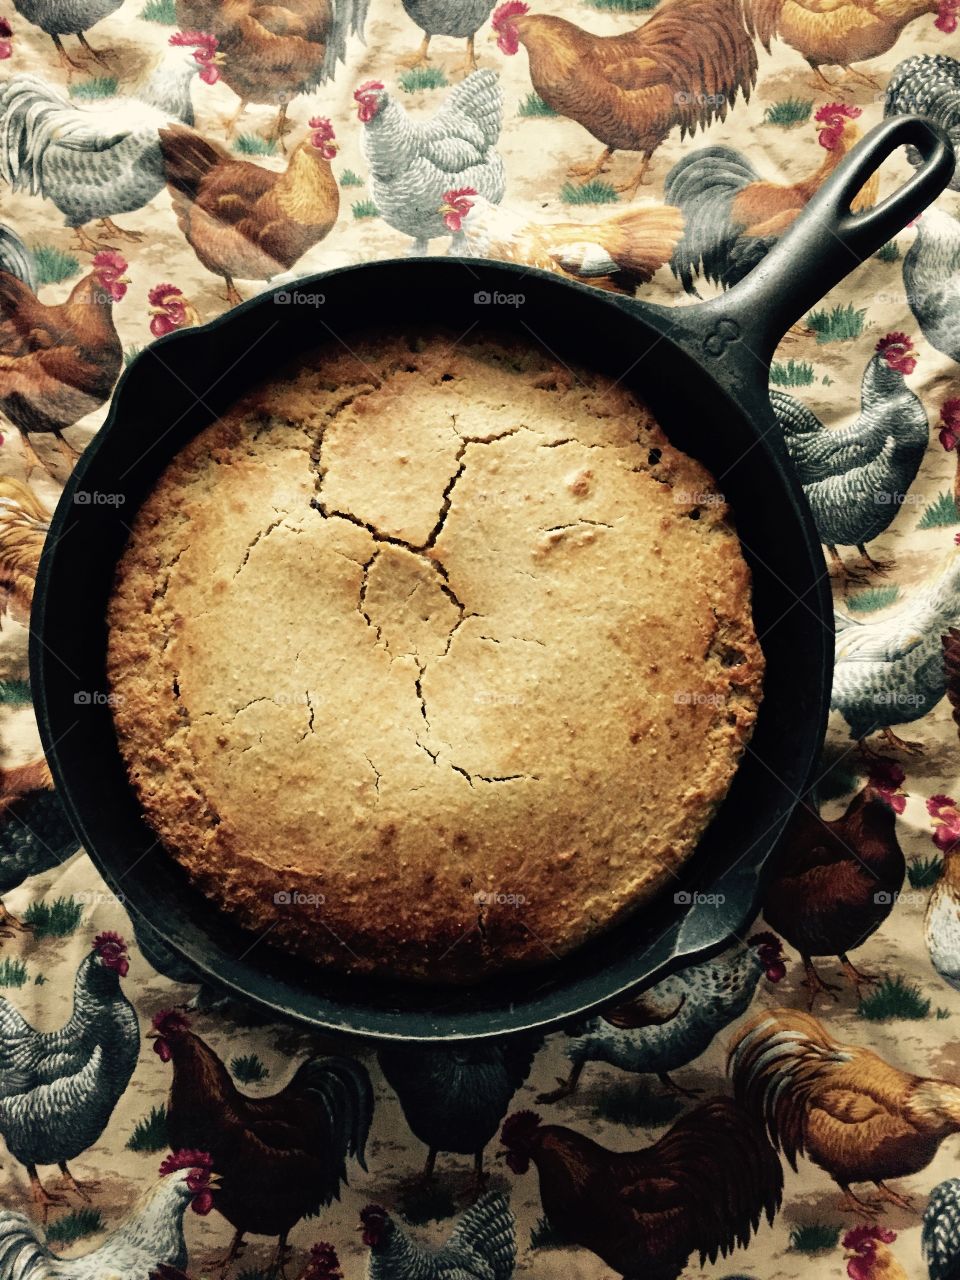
(534, 105)
(940, 513)
(815, 1237)
(788, 112)
(150, 1133)
(421, 1204)
(838, 325)
(248, 1069)
(890, 252)
(254, 144)
(162, 11)
(595, 192)
(14, 693)
(365, 209)
(422, 78)
(96, 87)
(74, 1226)
(13, 972)
(56, 919)
(872, 598)
(894, 998)
(350, 179)
(637, 1105)
(793, 373)
(923, 873)
(53, 265)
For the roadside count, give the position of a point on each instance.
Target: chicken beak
(123, 280)
(152, 1035)
(445, 209)
(219, 59)
(214, 1181)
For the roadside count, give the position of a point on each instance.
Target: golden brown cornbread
(445, 638)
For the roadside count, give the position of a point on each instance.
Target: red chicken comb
(950, 412)
(108, 938)
(458, 193)
(6, 31)
(894, 340)
(519, 1126)
(109, 260)
(887, 775)
(159, 294)
(939, 802)
(203, 39)
(323, 1254)
(837, 111)
(512, 9)
(320, 124)
(170, 1021)
(186, 1160)
(368, 86)
(373, 1213)
(856, 1237)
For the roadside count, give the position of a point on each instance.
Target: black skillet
(704, 372)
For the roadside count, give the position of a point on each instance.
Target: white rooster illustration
(413, 163)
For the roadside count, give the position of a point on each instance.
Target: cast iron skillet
(702, 369)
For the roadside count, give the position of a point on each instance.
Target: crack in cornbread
(432, 660)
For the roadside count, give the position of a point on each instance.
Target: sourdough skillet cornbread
(434, 660)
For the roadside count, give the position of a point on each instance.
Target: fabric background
(537, 152)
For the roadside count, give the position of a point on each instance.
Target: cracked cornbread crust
(433, 660)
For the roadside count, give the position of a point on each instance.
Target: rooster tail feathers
(762, 19)
(32, 114)
(342, 1087)
(488, 1229)
(349, 17)
(775, 1062)
(188, 158)
(703, 185)
(22, 1256)
(15, 258)
(635, 243)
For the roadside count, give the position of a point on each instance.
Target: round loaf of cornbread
(432, 660)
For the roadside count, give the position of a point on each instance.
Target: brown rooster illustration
(682, 69)
(856, 1116)
(702, 1188)
(836, 33)
(24, 521)
(833, 883)
(244, 221)
(950, 439)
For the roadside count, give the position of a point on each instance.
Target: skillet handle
(825, 243)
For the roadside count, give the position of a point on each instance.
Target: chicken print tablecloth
(160, 159)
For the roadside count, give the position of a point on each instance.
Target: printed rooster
(733, 218)
(170, 309)
(460, 19)
(949, 436)
(673, 1023)
(702, 1189)
(682, 69)
(890, 670)
(58, 1089)
(868, 1253)
(857, 1117)
(414, 163)
(928, 85)
(837, 35)
(615, 253)
(24, 522)
(241, 220)
(35, 832)
(276, 51)
(281, 1157)
(94, 162)
(482, 1245)
(454, 1098)
(57, 362)
(940, 1240)
(831, 884)
(931, 280)
(148, 1242)
(941, 923)
(856, 477)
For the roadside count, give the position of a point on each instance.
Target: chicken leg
(638, 178)
(857, 978)
(901, 1200)
(111, 229)
(9, 924)
(96, 54)
(850, 1203)
(815, 984)
(42, 1198)
(79, 1188)
(901, 744)
(479, 1176)
(672, 1085)
(280, 1259)
(237, 1246)
(65, 60)
(871, 565)
(587, 172)
(469, 62)
(862, 77)
(420, 58)
(566, 1087)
